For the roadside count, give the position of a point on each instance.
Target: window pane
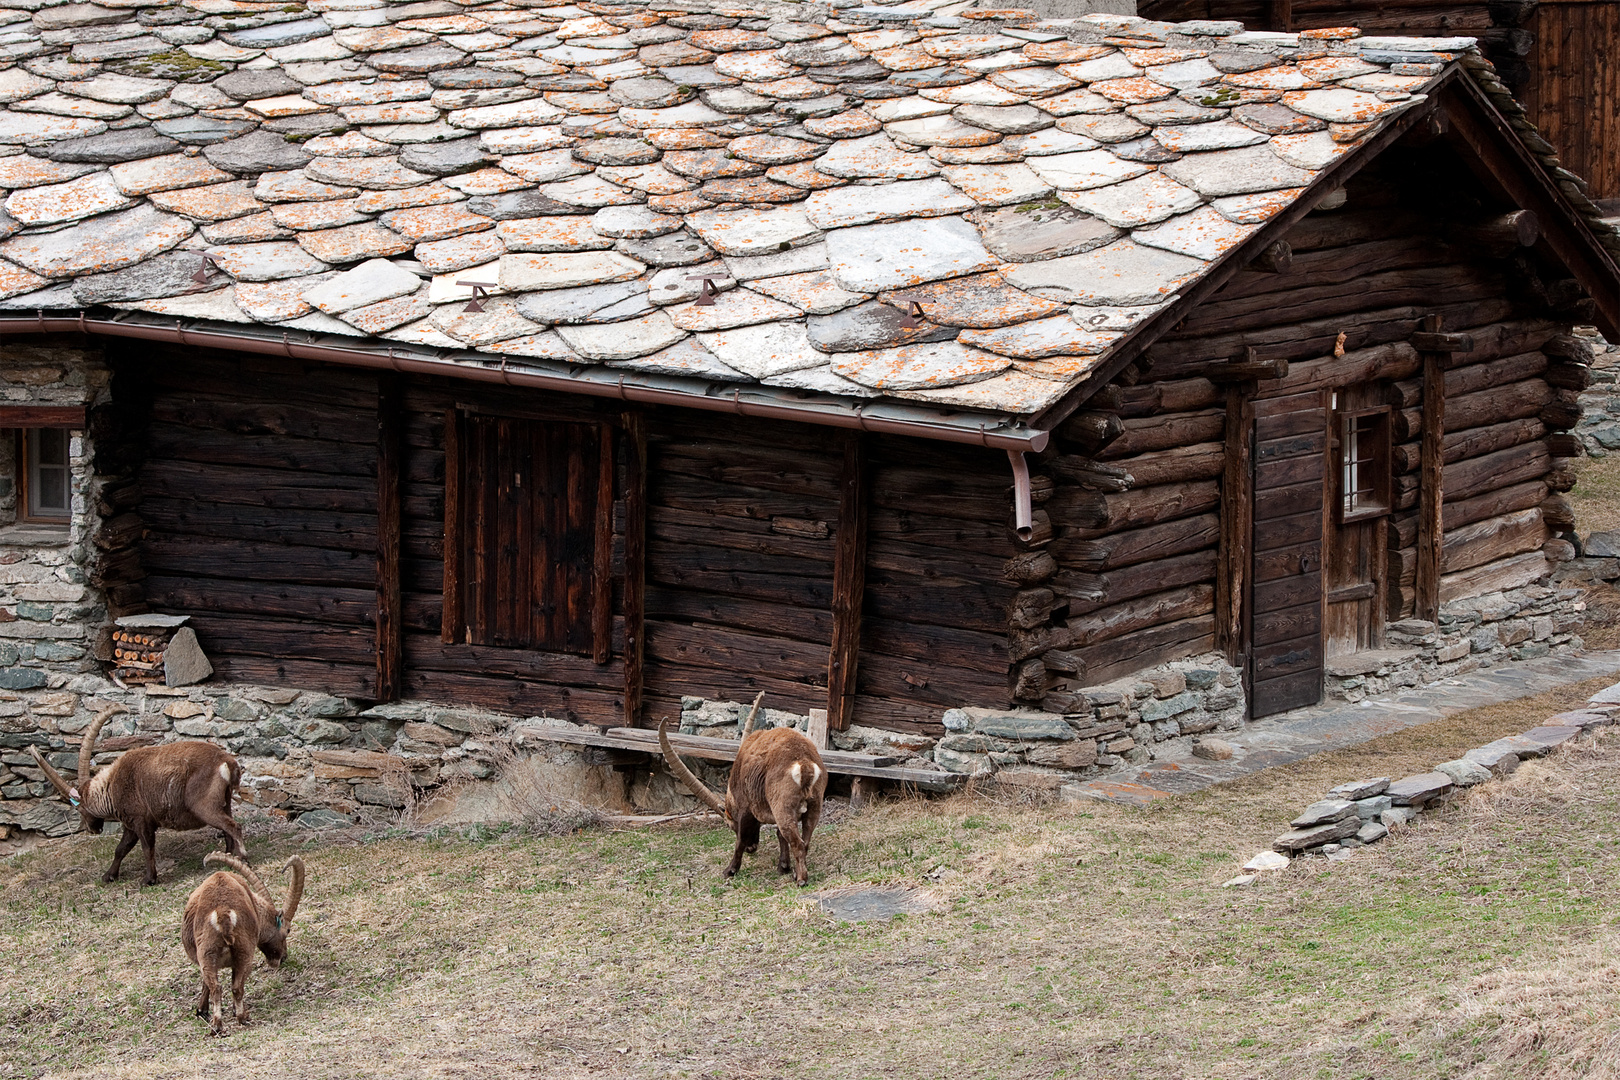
(53, 447)
(48, 473)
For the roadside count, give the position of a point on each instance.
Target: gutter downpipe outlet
(177, 333)
(1023, 512)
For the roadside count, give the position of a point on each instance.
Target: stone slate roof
(353, 167)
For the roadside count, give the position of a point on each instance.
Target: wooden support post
(1430, 531)
(602, 569)
(635, 561)
(817, 729)
(390, 616)
(849, 585)
(451, 619)
(1237, 524)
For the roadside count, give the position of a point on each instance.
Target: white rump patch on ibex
(797, 772)
(224, 772)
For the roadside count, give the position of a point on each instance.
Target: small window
(47, 489)
(1364, 482)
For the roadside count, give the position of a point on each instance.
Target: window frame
(1378, 463)
(27, 480)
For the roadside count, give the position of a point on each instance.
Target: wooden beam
(1503, 163)
(390, 609)
(602, 570)
(849, 585)
(452, 620)
(43, 416)
(1430, 497)
(635, 562)
(1237, 524)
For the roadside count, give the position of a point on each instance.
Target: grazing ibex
(181, 786)
(777, 779)
(227, 917)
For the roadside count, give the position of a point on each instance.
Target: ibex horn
(255, 882)
(678, 767)
(748, 725)
(295, 891)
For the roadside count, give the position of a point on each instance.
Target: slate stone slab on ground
(874, 904)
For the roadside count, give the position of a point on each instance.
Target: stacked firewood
(138, 654)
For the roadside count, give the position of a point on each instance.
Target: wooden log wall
(937, 602)
(258, 497)
(1136, 523)
(741, 537)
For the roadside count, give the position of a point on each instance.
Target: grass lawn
(1088, 941)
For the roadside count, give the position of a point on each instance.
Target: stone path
(1290, 737)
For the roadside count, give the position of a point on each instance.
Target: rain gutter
(885, 418)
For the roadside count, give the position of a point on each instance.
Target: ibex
(181, 786)
(227, 917)
(777, 779)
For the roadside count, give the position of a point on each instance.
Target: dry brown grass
(1596, 495)
(1089, 941)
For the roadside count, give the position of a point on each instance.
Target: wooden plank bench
(645, 741)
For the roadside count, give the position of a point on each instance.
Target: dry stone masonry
(1363, 812)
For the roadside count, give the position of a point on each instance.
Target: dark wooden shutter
(1285, 659)
(531, 525)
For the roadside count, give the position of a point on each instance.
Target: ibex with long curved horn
(181, 786)
(227, 917)
(777, 779)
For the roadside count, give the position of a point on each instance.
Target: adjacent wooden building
(1557, 56)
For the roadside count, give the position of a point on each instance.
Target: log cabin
(1552, 54)
(582, 360)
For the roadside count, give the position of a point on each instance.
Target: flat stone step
(1366, 662)
(1551, 735)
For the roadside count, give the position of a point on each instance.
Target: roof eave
(993, 431)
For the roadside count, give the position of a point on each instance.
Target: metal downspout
(1023, 511)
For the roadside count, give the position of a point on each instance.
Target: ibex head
(89, 798)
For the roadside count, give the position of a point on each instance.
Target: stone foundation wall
(1122, 722)
(1481, 631)
(49, 616)
(1599, 428)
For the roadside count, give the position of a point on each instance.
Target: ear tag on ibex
(73, 796)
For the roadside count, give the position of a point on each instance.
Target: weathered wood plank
(635, 562)
(849, 585)
(1431, 485)
(390, 652)
(1237, 525)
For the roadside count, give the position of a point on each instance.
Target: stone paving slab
(1294, 736)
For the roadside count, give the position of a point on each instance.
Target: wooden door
(1285, 603)
(1357, 506)
(533, 512)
